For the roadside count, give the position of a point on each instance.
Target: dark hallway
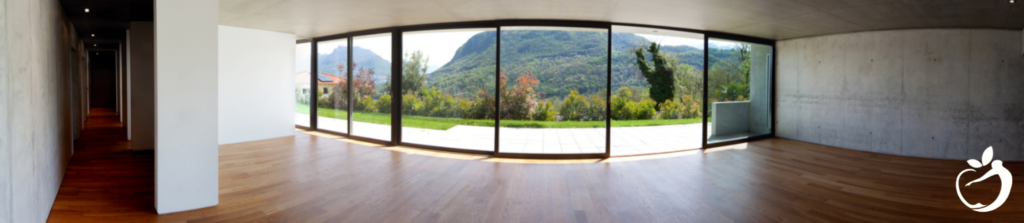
(105, 177)
(102, 79)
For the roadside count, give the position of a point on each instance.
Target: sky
(674, 41)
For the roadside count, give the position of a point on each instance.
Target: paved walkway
(625, 140)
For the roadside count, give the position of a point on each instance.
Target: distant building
(325, 82)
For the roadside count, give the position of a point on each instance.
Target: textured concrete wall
(936, 93)
(760, 94)
(729, 118)
(35, 140)
(5, 126)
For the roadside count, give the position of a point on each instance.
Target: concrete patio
(625, 140)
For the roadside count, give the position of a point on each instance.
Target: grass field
(446, 123)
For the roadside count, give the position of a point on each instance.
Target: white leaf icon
(986, 157)
(974, 163)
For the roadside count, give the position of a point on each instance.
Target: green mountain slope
(561, 61)
(362, 57)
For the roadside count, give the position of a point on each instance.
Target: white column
(186, 104)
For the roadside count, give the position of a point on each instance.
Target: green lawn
(446, 123)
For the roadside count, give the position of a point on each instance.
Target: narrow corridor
(105, 180)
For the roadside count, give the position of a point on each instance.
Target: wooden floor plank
(312, 177)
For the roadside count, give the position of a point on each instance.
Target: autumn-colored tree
(363, 82)
(518, 102)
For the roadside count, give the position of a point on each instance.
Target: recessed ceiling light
(86, 10)
(93, 35)
(97, 53)
(93, 44)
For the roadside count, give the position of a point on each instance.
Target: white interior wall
(186, 104)
(255, 84)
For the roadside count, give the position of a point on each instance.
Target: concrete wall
(760, 92)
(729, 118)
(255, 84)
(142, 87)
(35, 122)
(186, 104)
(936, 93)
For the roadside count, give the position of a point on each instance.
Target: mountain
(561, 61)
(362, 57)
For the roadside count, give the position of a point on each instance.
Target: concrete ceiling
(771, 19)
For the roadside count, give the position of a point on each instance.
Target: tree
(575, 106)
(414, 73)
(661, 76)
(518, 102)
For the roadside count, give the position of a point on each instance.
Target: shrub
(384, 104)
(543, 111)
(625, 109)
(596, 108)
(366, 104)
(670, 110)
(620, 100)
(438, 104)
(574, 108)
(517, 102)
(645, 109)
(690, 106)
(482, 106)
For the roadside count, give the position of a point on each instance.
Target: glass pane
(302, 84)
(332, 89)
(738, 90)
(371, 74)
(658, 83)
(448, 88)
(553, 90)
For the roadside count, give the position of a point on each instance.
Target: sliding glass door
(658, 90)
(448, 88)
(553, 87)
(332, 88)
(302, 84)
(739, 90)
(371, 96)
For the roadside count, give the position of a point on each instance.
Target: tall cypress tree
(661, 77)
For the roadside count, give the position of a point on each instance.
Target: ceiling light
(93, 44)
(86, 10)
(93, 35)
(97, 53)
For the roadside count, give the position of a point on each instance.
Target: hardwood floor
(318, 178)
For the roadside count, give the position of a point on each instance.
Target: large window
(448, 88)
(529, 88)
(658, 89)
(553, 85)
(739, 78)
(371, 96)
(302, 86)
(332, 88)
